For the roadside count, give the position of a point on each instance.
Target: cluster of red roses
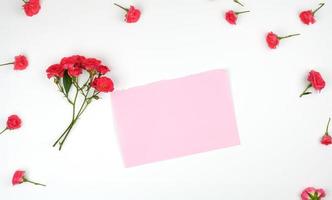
(32, 7)
(70, 72)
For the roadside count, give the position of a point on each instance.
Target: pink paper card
(174, 118)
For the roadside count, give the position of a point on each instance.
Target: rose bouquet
(80, 80)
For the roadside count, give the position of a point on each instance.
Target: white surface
(280, 152)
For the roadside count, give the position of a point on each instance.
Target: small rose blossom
(327, 139)
(312, 193)
(103, 84)
(231, 16)
(19, 177)
(91, 63)
(273, 39)
(55, 70)
(14, 122)
(74, 71)
(75, 60)
(308, 16)
(31, 7)
(102, 69)
(132, 15)
(21, 62)
(315, 80)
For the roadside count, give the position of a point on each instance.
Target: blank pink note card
(174, 118)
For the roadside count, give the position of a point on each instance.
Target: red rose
(316, 80)
(103, 84)
(312, 193)
(18, 177)
(13, 122)
(102, 69)
(74, 71)
(31, 7)
(91, 63)
(71, 61)
(307, 17)
(55, 70)
(273, 40)
(231, 17)
(132, 14)
(326, 139)
(20, 63)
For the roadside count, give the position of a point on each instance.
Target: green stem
(305, 90)
(288, 36)
(126, 9)
(10, 63)
(239, 13)
(320, 6)
(26, 180)
(3, 130)
(327, 127)
(236, 1)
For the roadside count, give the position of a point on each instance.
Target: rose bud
(19, 178)
(308, 16)
(312, 193)
(132, 14)
(315, 80)
(20, 62)
(31, 7)
(273, 40)
(13, 122)
(327, 139)
(231, 16)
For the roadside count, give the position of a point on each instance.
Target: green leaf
(67, 82)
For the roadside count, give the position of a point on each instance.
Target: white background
(279, 155)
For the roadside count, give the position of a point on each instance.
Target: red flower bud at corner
(308, 16)
(272, 39)
(19, 178)
(312, 193)
(231, 16)
(20, 62)
(327, 139)
(31, 7)
(103, 84)
(132, 14)
(316, 81)
(13, 122)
